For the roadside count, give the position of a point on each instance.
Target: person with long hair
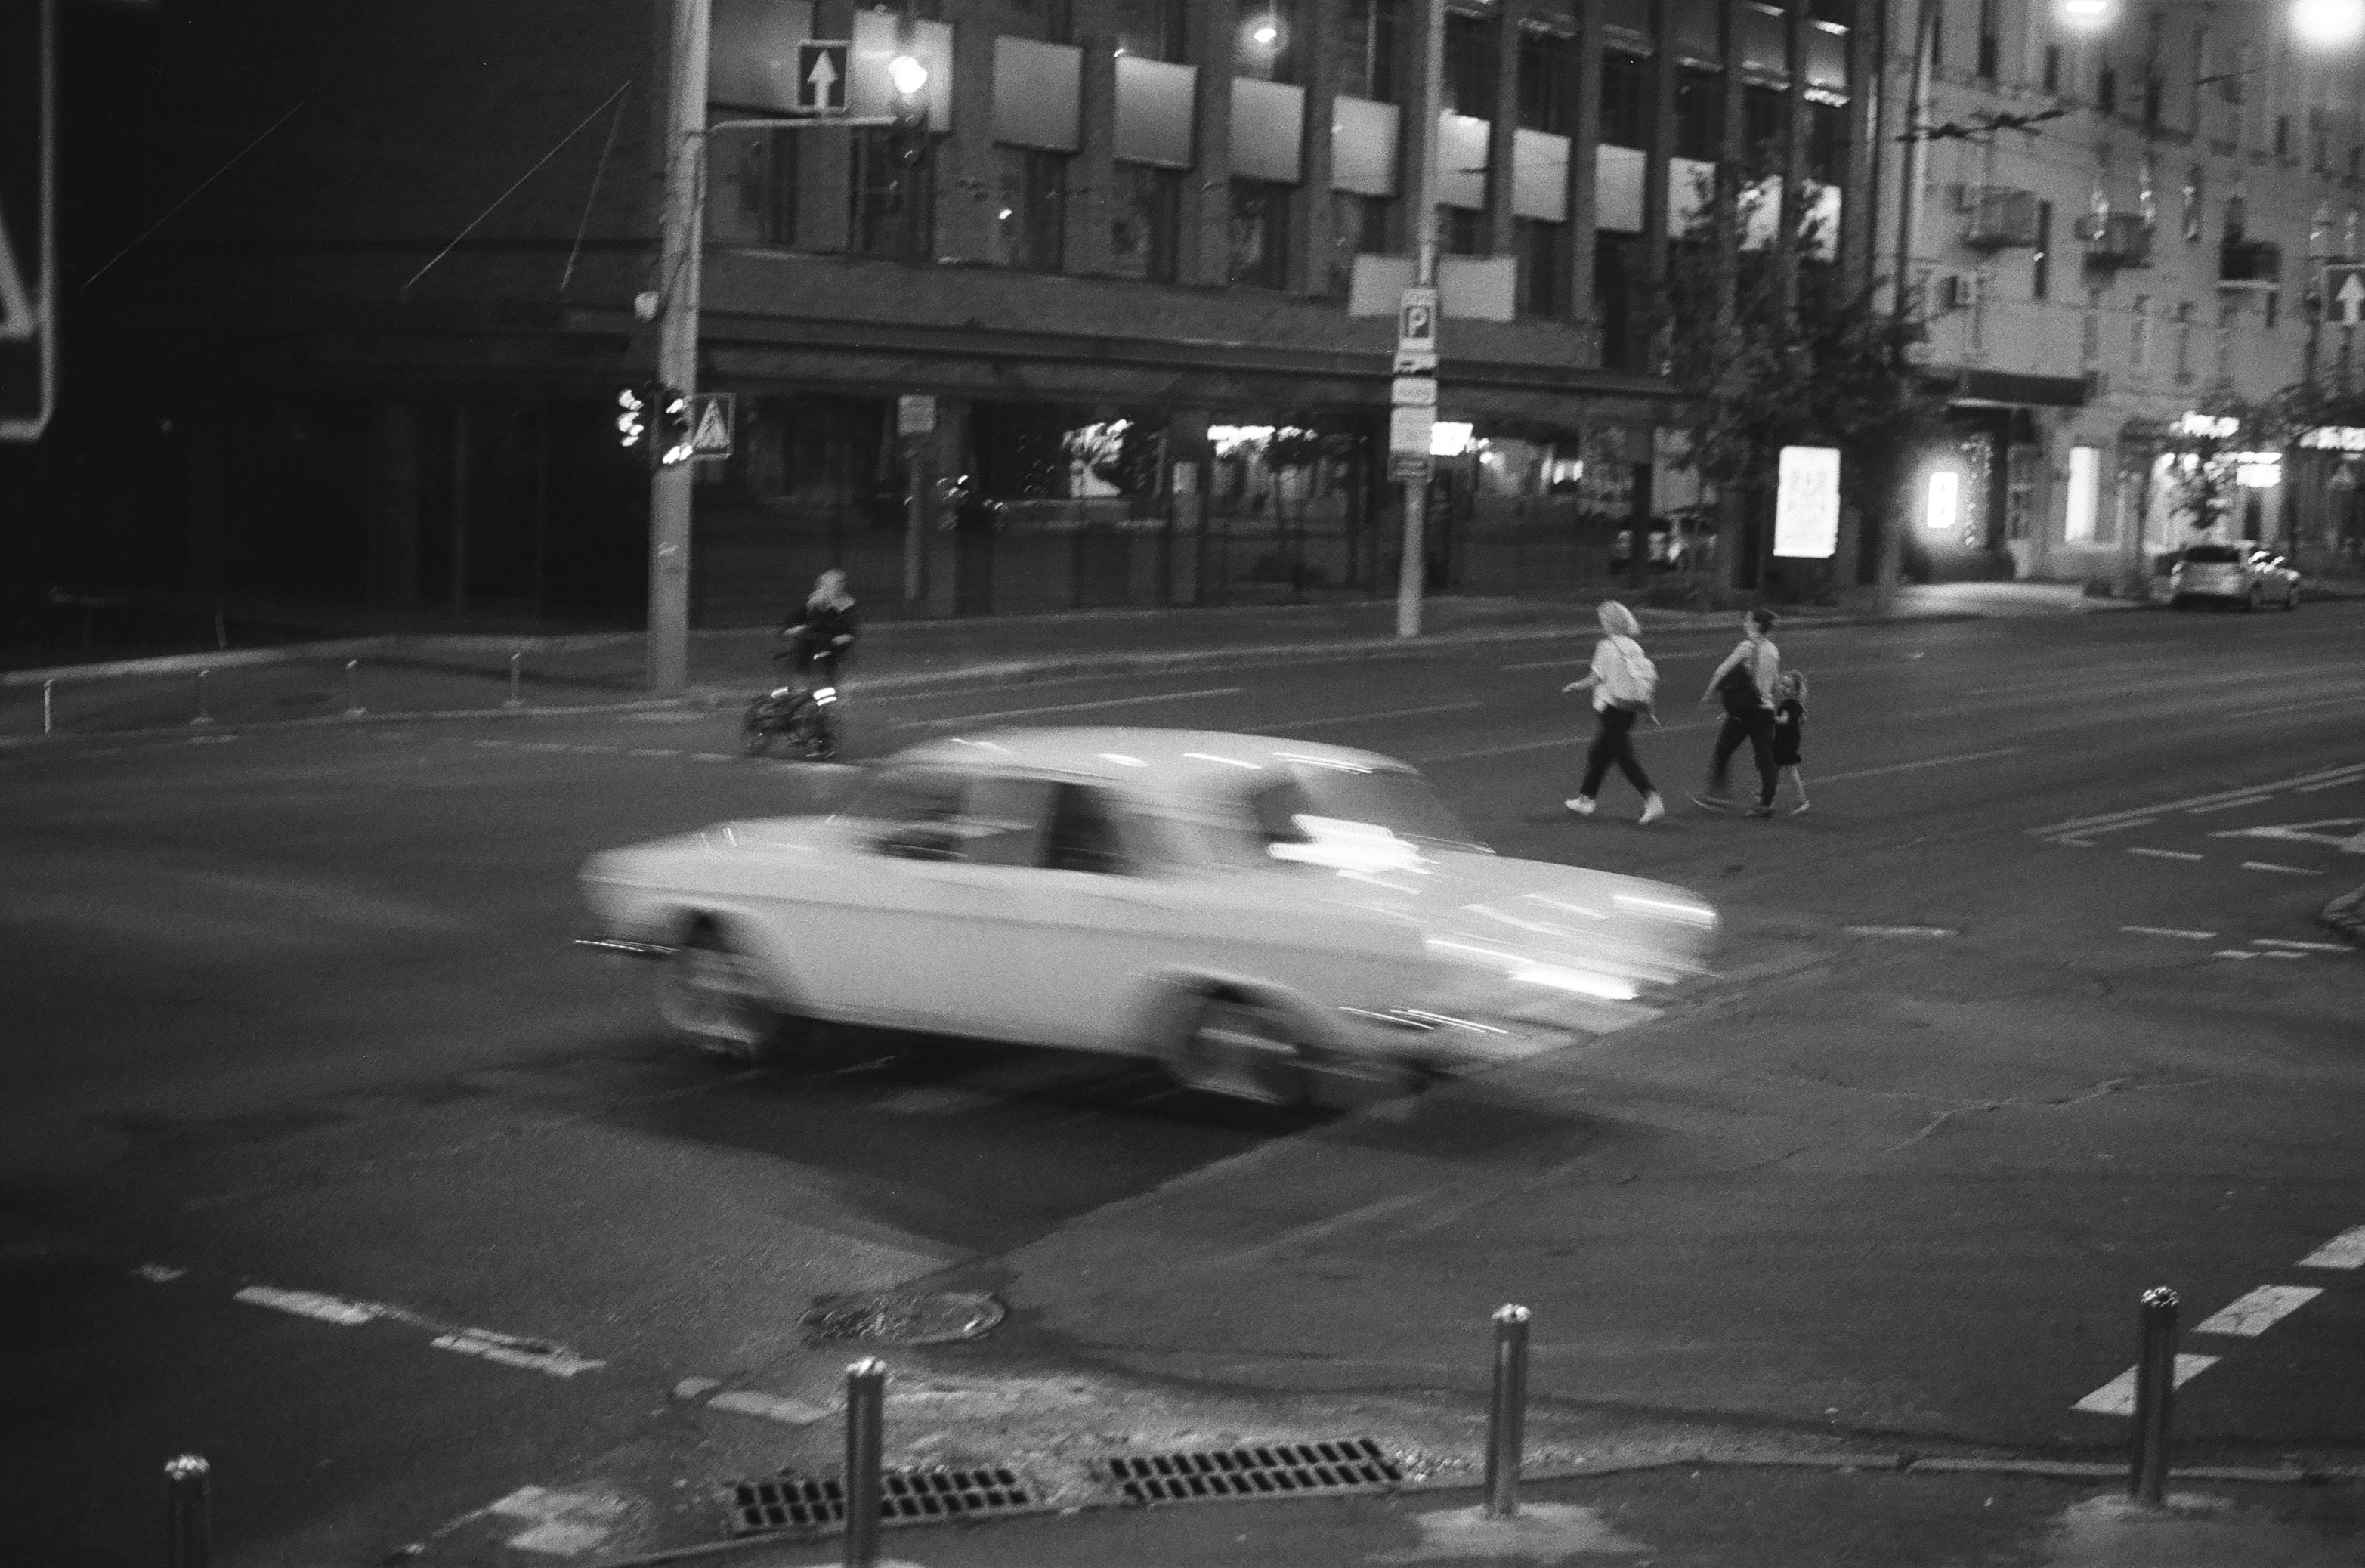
(1623, 682)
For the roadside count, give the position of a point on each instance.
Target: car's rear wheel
(1242, 1050)
(713, 995)
(2291, 599)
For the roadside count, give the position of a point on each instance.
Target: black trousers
(1757, 729)
(1611, 743)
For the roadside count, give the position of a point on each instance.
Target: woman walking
(1745, 683)
(1623, 681)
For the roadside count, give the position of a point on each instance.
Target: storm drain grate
(1270, 1470)
(790, 1501)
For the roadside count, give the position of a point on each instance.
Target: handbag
(1737, 689)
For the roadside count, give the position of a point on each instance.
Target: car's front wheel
(1242, 1050)
(2291, 599)
(713, 995)
(2254, 599)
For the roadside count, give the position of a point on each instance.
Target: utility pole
(1909, 196)
(680, 239)
(1413, 566)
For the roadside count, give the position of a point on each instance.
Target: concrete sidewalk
(1829, 1513)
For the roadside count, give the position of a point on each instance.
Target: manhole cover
(903, 1317)
(790, 1501)
(1270, 1470)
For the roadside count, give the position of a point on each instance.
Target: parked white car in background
(2239, 574)
(1251, 911)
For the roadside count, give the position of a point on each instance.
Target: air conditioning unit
(2002, 218)
(1958, 291)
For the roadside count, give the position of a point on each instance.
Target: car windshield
(2212, 555)
(1340, 794)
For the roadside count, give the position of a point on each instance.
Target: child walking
(1789, 728)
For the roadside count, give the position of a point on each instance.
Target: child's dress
(1789, 724)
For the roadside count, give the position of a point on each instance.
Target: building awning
(1967, 385)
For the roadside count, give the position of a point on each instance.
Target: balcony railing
(2001, 219)
(2120, 239)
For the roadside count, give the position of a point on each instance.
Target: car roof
(1189, 761)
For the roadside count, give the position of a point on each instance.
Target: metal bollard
(353, 709)
(515, 701)
(186, 1542)
(866, 1395)
(1506, 1414)
(48, 710)
(2154, 1394)
(203, 717)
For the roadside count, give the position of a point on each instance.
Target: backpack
(1637, 685)
(1738, 691)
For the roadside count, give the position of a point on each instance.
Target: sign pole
(915, 423)
(677, 292)
(1412, 566)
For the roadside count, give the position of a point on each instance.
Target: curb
(2345, 915)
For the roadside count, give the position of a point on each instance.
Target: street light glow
(2327, 24)
(907, 75)
(2089, 16)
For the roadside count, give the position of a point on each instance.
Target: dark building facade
(370, 351)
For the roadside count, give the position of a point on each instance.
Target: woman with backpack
(1623, 682)
(1746, 684)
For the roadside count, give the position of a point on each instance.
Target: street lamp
(2327, 24)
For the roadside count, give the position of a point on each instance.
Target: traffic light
(632, 416)
(909, 138)
(673, 425)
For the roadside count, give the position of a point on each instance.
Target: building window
(1267, 46)
(2319, 136)
(1547, 72)
(1033, 208)
(2151, 103)
(766, 178)
(2040, 260)
(1764, 120)
(2283, 136)
(1938, 43)
(1991, 40)
(2052, 68)
(1540, 264)
(1041, 18)
(2106, 89)
(1371, 50)
(1827, 142)
(1150, 28)
(1460, 231)
(1700, 114)
(1143, 233)
(2139, 335)
(2090, 346)
(1625, 99)
(2195, 189)
(2020, 460)
(1260, 234)
(892, 204)
(2184, 342)
(1469, 62)
(1359, 228)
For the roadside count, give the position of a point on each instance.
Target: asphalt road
(2028, 1013)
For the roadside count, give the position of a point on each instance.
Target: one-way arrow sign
(2344, 296)
(820, 75)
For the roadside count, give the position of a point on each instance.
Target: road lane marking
(1070, 708)
(769, 1407)
(560, 1524)
(1823, 778)
(2171, 931)
(2312, 789)
(2301, 707)
(529, 1355)
(159, 1273)
(2345, 1250)
(1426, 758)
(1901, 931)
(2228, 805)
(2305, 947)
(310, 1303)
(2120, 827)
(934, 1100)
(2350, 842)
(2286, 870)
(2117, 1397)
(2256, 1313)
(1361, 718)
(1587, 660)
(2165, 854)
(2345, 774)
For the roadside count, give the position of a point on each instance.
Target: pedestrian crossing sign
(713, 421)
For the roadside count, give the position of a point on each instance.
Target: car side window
(1084, 833)
(1005, 821)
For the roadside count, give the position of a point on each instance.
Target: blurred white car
(1249, 910)
(2233, 574)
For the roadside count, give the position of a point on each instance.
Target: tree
(1759, 375)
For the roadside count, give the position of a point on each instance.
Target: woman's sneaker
(1582, 806)
(1759, 811)
(1799, 810)
(1653, 809)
